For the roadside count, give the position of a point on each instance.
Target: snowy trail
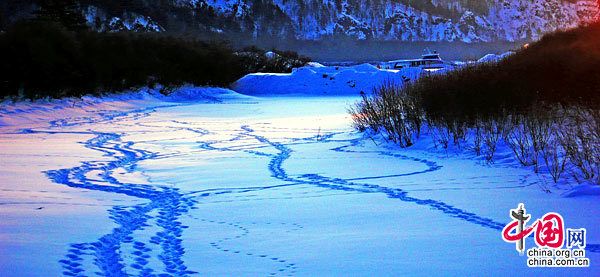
(168, 201)
(263, 188)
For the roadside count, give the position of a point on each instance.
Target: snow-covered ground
(490, 58)
(235, 185)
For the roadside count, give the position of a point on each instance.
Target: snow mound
(198, 94)
(365, 67)
(322, 80)
(492, 58)
(314, 64)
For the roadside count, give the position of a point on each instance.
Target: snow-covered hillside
(430, 20)
(406, 20)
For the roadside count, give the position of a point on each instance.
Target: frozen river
(240, 186)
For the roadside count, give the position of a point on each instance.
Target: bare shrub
(391, 111)
(493, 131)
(579, 138)
(554, 156)
(459, 131)
(364, 115)
(477, 136)
(519, 140)
(440, 134)
(415, 114)
(393, 108)
(538, 124)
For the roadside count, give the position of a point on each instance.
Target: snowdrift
(19, 112)
(199, 94)
(316, 79)
(492, 58)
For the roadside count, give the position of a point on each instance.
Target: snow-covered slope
(428, 20)
(407, 20)
(494, 58)
(129, 21)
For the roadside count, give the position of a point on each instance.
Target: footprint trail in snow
(149, 236)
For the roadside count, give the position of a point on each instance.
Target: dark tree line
(55, 54)
(44, 58)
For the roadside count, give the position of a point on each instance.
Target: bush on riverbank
(542, 102)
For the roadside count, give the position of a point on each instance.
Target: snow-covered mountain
(407, 20)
